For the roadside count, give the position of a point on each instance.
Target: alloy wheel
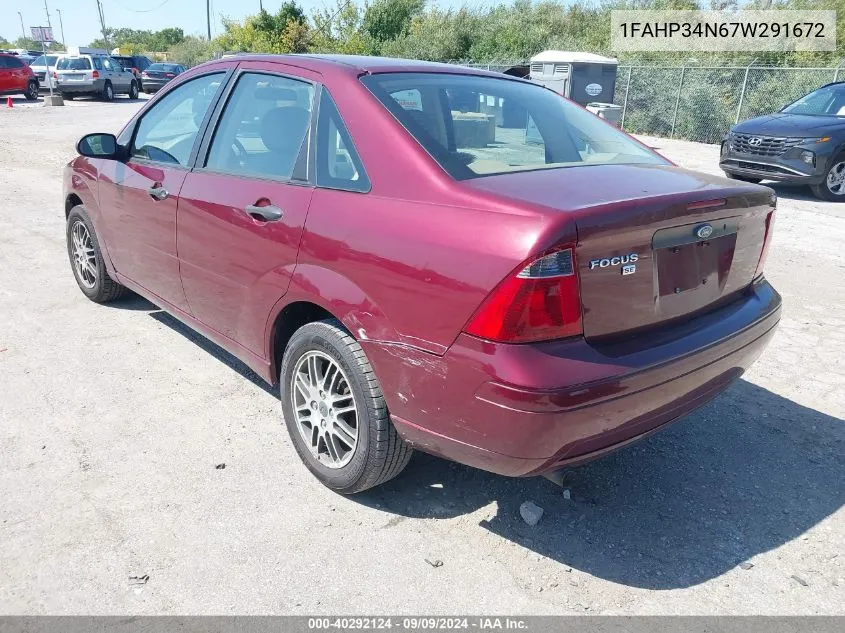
(325, 409)
(836, 179)
(84, 257)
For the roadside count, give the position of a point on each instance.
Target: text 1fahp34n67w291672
(387, 242)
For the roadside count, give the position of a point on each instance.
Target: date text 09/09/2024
(411, 623)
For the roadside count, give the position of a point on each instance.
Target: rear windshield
(826, 101)
(40, 61)
(479, 126)
(165, 68)
(74, 63)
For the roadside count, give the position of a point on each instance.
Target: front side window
(479, 126)
(167, 132)
(74, 63)
(264, 128)
(338, 164)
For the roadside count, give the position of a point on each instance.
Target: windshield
(478, 126)
(826, 101)
(74, 63)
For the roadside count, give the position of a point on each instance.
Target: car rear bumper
(151, 85)
(528, 409)
(81, 87)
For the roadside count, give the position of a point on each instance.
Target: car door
(120, 78)
(18, 75)
(139, 196)
(242, 209)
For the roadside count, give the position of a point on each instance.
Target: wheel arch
(317, 293)
(72, 200)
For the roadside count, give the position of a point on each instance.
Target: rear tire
(67, 97)
(351, 453)
(133, 90)
(86, 259)
(832, 188)
(108, 92)
(743, 178)
(31, 93)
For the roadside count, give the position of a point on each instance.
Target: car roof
(362, 64)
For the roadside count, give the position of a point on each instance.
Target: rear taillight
(145, 74)
(539, 302)
(55, 75)
(95, 74)
(169, 74)
(767, 240)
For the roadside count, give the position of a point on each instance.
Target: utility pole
(62, 27)
(23, 30)
(208, 17)
(47, 11)
(102, 21)
(261, 5)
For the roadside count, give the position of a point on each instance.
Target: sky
(82, 24)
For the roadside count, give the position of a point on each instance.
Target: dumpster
(609, 111)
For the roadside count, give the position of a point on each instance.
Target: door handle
(157, 193)
(265, 213)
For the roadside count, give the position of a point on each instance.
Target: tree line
(422, 30)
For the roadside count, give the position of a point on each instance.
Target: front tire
(86, 259)
(832, 188)
(31, 93)
(335, 412)
(108, 92)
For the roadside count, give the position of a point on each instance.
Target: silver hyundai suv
(94, 75)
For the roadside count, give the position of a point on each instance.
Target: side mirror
(99, 146)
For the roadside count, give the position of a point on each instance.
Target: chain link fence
(699, 103)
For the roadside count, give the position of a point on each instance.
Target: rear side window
(13, 62)
(338, 164)
(4, 62)
(74, 63)
(167, 132)
(264, 128)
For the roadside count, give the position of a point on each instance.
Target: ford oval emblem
(704, 231)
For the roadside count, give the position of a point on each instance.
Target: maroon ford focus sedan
(427, 257)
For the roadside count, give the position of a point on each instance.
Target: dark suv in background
(804, 143)
(136, 64)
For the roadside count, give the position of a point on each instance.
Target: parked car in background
(514, 306)
(94, 75)
(804, 143)
(44, 67)
(157, 75)
(17, 78)
(136, 64)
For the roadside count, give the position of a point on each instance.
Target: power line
(155, 8)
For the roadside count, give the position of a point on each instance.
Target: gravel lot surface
(113, 420)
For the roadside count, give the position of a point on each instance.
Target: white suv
(44, 67)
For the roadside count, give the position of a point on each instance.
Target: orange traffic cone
(9, 102)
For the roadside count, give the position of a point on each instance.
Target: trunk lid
(655, 243)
